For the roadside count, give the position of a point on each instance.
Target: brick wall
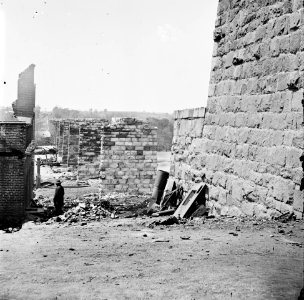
(128, 156)
(89, 149)
(15, 171)
(252, 135)
(68, 134)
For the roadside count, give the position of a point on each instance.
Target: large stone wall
(252, 137)
(187, 135)
(128, 156)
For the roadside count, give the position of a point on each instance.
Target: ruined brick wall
(128, 156)
(89, 148)
(67, 137)
(25, 103)
(252, 136)
(14, 164)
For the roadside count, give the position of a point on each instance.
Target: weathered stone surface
(128, 160)
(250, 138)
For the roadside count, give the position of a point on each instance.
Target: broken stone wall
(252, 136)
(15, 171)
(25, 103)
(67, 137)
(128, 156)
(89, 149)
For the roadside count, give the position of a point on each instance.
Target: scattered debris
(233, 233)
(164, 212)
(284, 218)
(161, 241)
(195, 197)
(169, 221)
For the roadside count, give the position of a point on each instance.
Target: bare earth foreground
(134, 259)
(128, 259)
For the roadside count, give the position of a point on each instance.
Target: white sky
(134, 55)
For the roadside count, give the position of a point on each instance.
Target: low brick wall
(128, 156)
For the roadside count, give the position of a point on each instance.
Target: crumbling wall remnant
(25, 104)
(71, 136)
(15, 171)
(90, 149)
(252, 136)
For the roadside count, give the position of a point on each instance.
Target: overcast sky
(134, 55)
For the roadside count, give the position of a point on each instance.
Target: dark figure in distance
(58, 198)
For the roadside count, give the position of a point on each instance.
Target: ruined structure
(128, 156)
(25, 103)
(248, 142)
(121, 153)
(78, 143)
(16, 153)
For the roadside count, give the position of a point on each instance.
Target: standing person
(58, 198)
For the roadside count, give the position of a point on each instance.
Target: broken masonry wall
(15, 171)
(89, 148)
(128, 161)
(252, 137)
(66, 136)
(25, 103)
(73, 146)
(187, 147)
(56, 134)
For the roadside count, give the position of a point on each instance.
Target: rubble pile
(86, 211)
(92, 208)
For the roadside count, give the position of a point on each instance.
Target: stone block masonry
(89, 149)
(187, 146)
(128, 160)
(252, 134)
(70, 137)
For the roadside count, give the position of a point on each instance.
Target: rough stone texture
(89, 149)
(251, 139)
(124, 150)
(16, 170)
(67, 138)
(128, 156)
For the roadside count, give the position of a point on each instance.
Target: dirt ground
(132, 258)
(128, 259)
